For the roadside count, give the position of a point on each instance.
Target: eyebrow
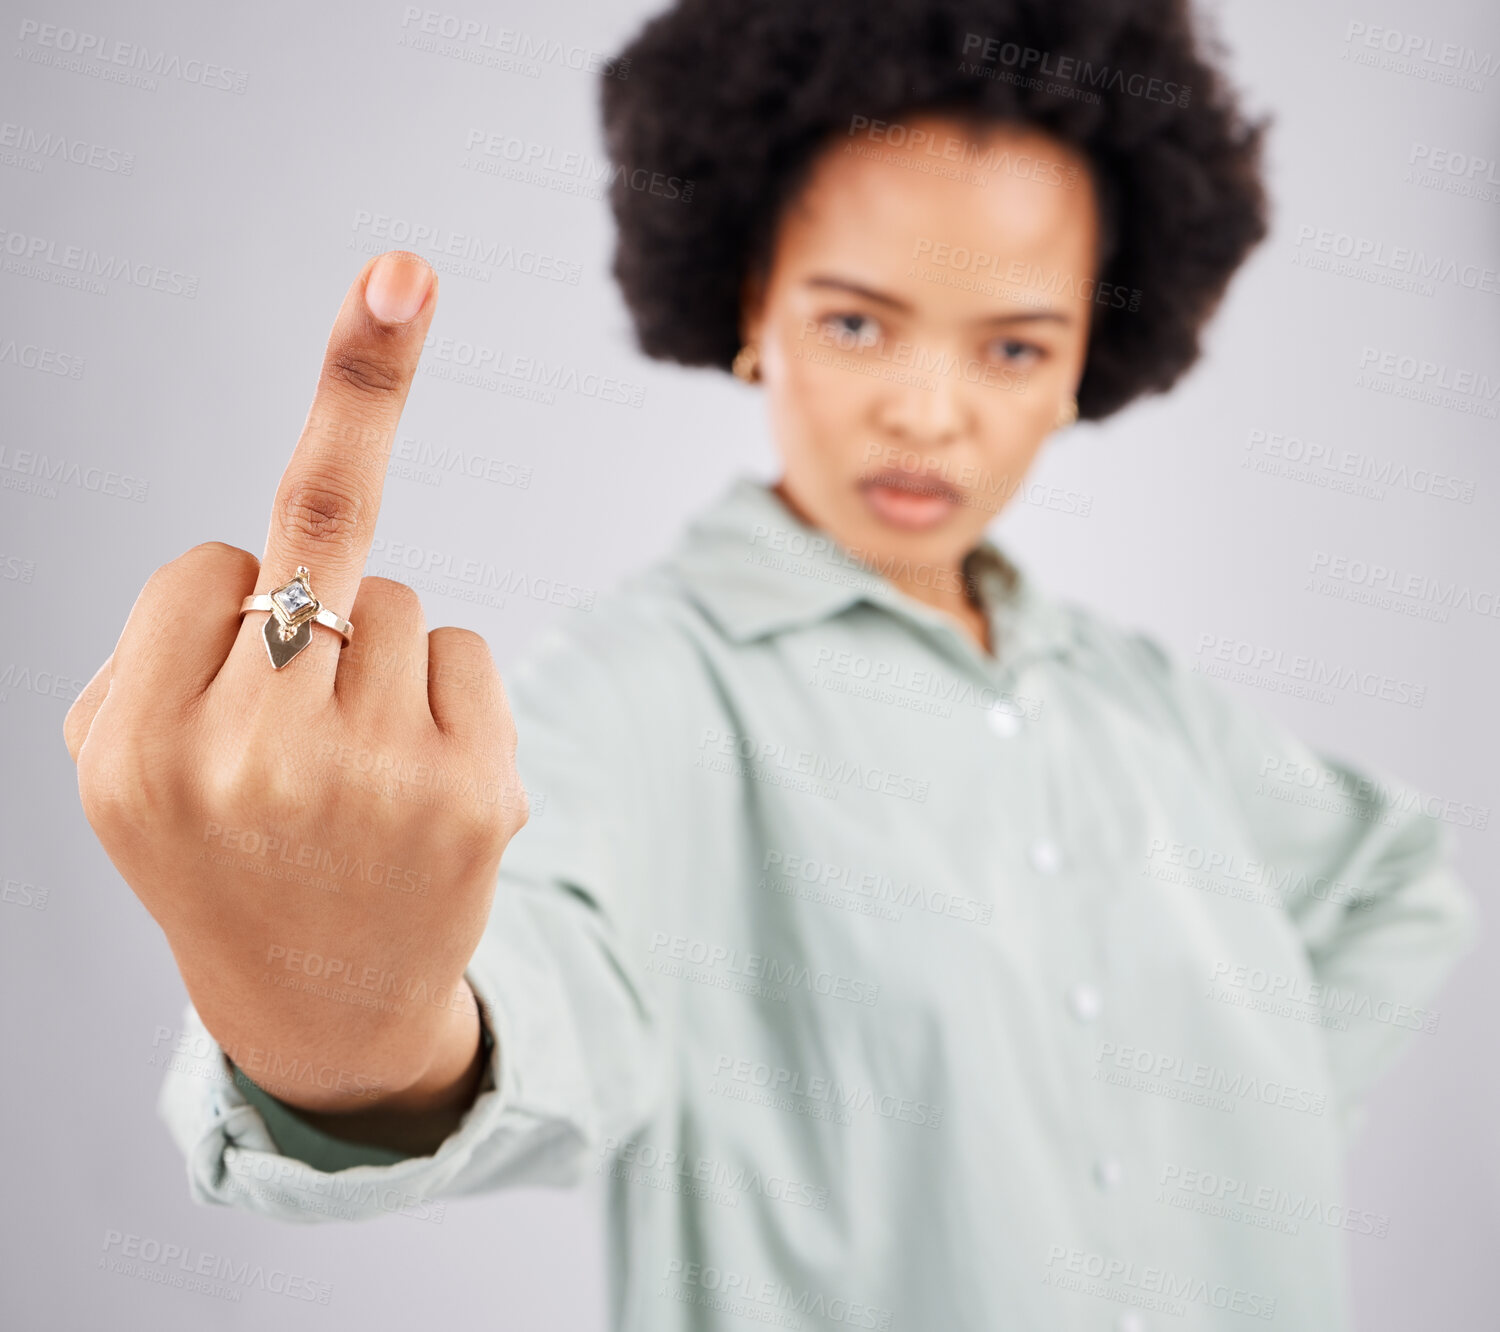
(880, 297)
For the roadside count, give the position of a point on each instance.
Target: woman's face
(921, 328)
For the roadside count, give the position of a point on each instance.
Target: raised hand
(319, 841)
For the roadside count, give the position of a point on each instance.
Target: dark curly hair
(739, 96)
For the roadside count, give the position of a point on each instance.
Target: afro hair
(740, 98)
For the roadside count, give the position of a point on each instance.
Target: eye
(1016, 351)
(852, 331)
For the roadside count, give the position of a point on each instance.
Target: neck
(948, 592)
(947, 589)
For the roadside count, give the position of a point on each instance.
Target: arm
(413, 1122)
(275, 792)
(576, 1043)
(1370, 887)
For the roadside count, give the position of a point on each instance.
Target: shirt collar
(757, 569)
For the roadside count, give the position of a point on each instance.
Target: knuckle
(451, 651)
(162, 575)
(320, 509)
(461, 663)
(511, 802)
(482, 832)
(368, 375)
(225, 782)
(392, 594)
(520, 811)
(488, 809)
(79, 720)
(111, 786)
(220, 557)
(248, 784)
(463, 645)
(73, 732)
(449, 637)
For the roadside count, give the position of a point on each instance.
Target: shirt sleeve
(1363, 863)
(576, 1057)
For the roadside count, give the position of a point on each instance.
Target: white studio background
(1198, 529)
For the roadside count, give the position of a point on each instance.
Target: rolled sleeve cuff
(288, 1170)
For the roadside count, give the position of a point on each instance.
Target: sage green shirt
(895, 985)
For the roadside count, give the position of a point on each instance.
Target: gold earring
(747, 364)
(1067, 413)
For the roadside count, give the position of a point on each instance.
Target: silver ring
(294, 610)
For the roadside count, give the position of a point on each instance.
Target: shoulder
(640, 643)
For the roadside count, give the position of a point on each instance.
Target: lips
(912, 484)
(908, 501)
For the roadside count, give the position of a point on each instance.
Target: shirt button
(1045, 857)
(1085, 1002)
(1003, 721)
(1106, 1172)
(1130, 1321)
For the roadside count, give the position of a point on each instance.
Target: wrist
(454, 1064)
(407, 1062)
(418, 1116)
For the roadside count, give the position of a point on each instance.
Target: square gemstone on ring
(292, 598)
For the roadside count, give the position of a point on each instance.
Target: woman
(888, 932)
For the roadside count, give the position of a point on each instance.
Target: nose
(928, 406)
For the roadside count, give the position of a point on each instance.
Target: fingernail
(396, 287)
